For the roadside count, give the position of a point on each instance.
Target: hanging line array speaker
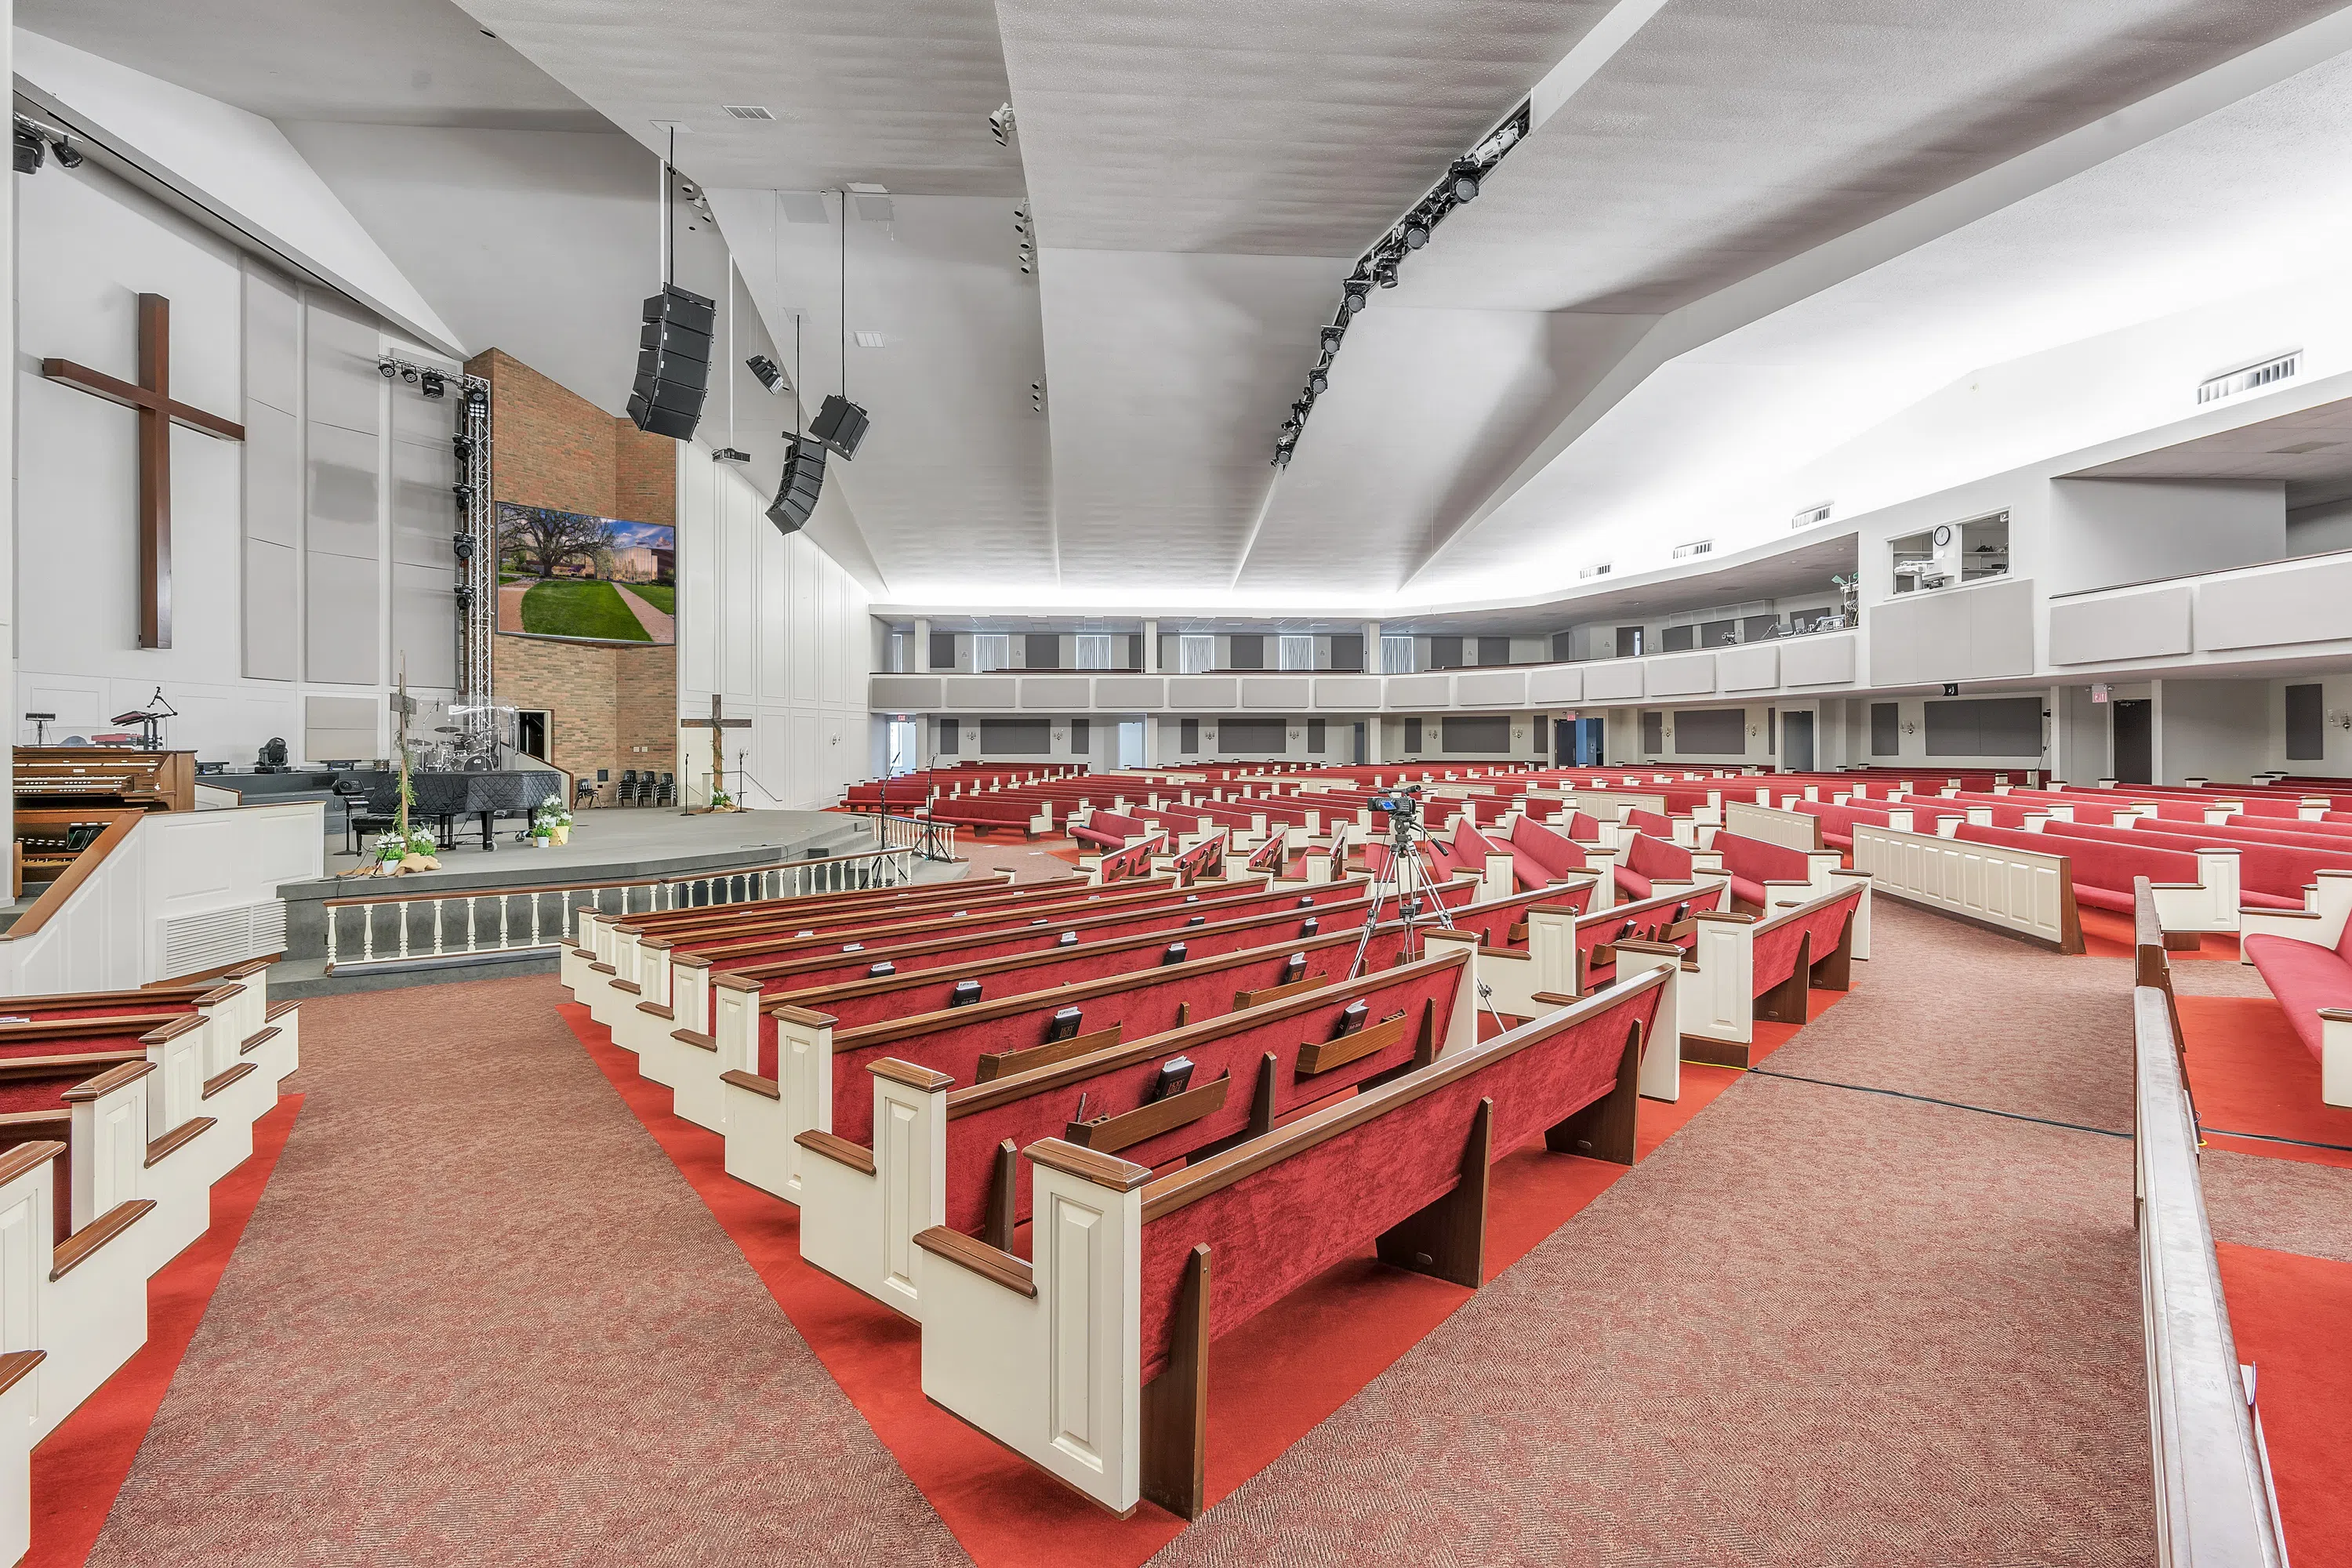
(673, 363)
(804, 477)
(839, 424)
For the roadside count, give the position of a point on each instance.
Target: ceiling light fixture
(1377, 268)
(999, 125)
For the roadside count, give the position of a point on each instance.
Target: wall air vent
(1810, 515)
(2247, 377)
(746, 111)
(871, 340)
(1600, 570)
(1696, 547)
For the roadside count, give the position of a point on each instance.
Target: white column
(922, 647)
(1372, 647)
(1151, 661)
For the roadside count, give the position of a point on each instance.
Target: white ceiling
(1738, 244)
(381, 62)
(2311, 449)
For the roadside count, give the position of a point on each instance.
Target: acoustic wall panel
(1353, 692)
(1756, 669)
(273, 364)
(2267, 609)
(345, 389)
(906, 693)
(2001, 629)
(1258, 737)
(1061, 691)
(273, 645)
(1819, 660)
(1564, 684)
(1953, 634)
(1420, 690)
(1501, 689)
(273, 478)
(2148, 624)
(424, 509)
(1711, 732)
(1480, 734)
(1016, 737)
(1276, 691)
(423, 629)
(341, 513)
(1131, 691)
(1612, 681)
(338, 728)
(1201, 691)
(1690, 675)
(1985, 727)
(345, 628)
(984, 691)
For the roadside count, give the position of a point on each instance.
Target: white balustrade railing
(931, 840)
(393, 930)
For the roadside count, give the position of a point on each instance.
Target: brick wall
(548, 447)
(644, 475)
(611, 707)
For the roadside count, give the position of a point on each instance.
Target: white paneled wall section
(780, 632)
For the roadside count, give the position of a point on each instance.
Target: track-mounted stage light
(431, 383)
(1462, 179)
(1415, 232)
(1332, 336)
(1384, 272)
(1355, 292)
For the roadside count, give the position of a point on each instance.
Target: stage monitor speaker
(673, 363)
(796, 496)
(840, 425)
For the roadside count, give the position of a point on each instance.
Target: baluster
(334, 916)
(400, 912)
(473, 923)
(437, 905)
(502, 922)
(367, 932)
(534, 920)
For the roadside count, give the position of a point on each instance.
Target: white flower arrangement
(392, 847)
(550, 820)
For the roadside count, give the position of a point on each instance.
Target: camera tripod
(1406, 879)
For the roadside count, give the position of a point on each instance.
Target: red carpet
(78, 1467)
(1271, 1382)
(2107, 934)
(2292, 1316)
(2249, 1072)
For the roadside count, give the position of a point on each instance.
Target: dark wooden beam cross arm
(151, 398)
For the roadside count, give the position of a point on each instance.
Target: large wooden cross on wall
(718, 724)
(152, 397)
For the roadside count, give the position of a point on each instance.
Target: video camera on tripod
(1402, 806)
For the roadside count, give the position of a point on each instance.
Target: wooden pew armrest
(752, 1081)
(998, 1267)
(838, 1149)
(77, 1248)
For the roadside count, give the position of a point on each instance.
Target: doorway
(530, 732)
(1797, 741)
(2135, 737)
(1130, 744)
(901, 744)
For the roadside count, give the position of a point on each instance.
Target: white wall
(2103, 532)
(2316, 529)
(2215, 729)
(776, 628)
(88, 244)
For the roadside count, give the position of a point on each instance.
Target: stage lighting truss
(1378, 267)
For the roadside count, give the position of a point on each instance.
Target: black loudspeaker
(839, 424)
(796, 496)
(673, 363)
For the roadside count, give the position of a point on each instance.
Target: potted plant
(391, 849)
(542, 828)
(722, 801)
(420, 851)
(558, 817)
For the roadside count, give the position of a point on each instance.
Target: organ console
(105, 776)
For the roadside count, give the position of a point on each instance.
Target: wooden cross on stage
(151, 396)
(718, 724)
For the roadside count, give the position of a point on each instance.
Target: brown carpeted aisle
(479, 1318)
(1817, 1327)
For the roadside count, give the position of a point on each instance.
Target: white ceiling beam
(1858, 251)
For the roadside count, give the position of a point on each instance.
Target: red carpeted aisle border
(1271, 1381)
(80, 1467)
(2249, 1071)
(2108, 933)
(2292, 1317)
